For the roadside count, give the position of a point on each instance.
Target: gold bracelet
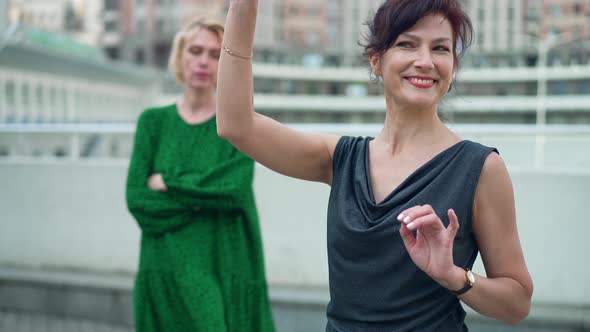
(232, 53)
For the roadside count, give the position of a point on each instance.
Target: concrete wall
(57, 214)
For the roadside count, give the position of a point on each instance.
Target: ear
(375, 62)
(452, 81)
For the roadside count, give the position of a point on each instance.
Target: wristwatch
(469, 282)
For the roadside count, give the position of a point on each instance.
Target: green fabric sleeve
(155, 212)
(227, 185)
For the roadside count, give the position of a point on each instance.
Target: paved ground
(26, 322)
(23, 322)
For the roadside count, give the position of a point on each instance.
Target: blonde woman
(201, 266)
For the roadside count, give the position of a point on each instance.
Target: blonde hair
(187, 31)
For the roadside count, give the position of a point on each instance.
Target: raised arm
(301, 155)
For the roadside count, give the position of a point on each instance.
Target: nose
(424, 59)
(203, 59)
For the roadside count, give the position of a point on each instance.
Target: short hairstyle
(191, 27)
(396, 16)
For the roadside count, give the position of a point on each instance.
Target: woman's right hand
(235, 89)
(244, 2)
(240, 22)
(240, 10)
(156, 182)
(278, 147)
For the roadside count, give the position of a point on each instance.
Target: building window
(141, 25)
(139, 56)
(480, 37)
(333, 34)
(555, 10)
(312, 39)
(578, 32)
(533, 10)
(111, 26)
(314, 11)
(112, 52)
(111, 4)
(161, 26)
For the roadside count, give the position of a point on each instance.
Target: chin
(422, 98)
(422, 102)
(200, 85)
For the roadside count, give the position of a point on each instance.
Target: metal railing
(563, 147)
(29, 96)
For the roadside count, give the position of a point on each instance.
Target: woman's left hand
(431, 248)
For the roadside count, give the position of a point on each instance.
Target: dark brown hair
(396, 16)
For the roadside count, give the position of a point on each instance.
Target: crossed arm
(162, 203)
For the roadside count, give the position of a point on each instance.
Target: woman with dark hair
(201, 266)
(409, 209)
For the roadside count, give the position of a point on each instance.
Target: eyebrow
(204, 47)
(411, 36)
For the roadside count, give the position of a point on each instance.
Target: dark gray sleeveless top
(374, 284)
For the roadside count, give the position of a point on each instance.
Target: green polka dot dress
(201, 264)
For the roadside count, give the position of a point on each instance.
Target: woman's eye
(404, 44)
(442, 48)
(195, 51)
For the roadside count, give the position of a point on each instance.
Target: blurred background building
(535, 48)
(296, 31)
(78, 18)
(289, 31)
(4, 9)
(75, 74)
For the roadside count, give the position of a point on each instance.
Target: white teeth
(421, 81)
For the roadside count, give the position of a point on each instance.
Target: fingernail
(400, 217)
(410, 225)
(407, 219)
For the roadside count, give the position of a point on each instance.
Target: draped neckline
(367, 167)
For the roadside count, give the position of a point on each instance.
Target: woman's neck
(194, 102)
(195, 106)
(407, 127)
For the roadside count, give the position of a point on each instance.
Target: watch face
(471, 277)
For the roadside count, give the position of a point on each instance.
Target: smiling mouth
(421, 82)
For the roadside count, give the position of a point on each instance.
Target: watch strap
(468, 285)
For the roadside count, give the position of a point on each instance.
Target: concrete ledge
(71, 277)
(95, 297)
(108, 298)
